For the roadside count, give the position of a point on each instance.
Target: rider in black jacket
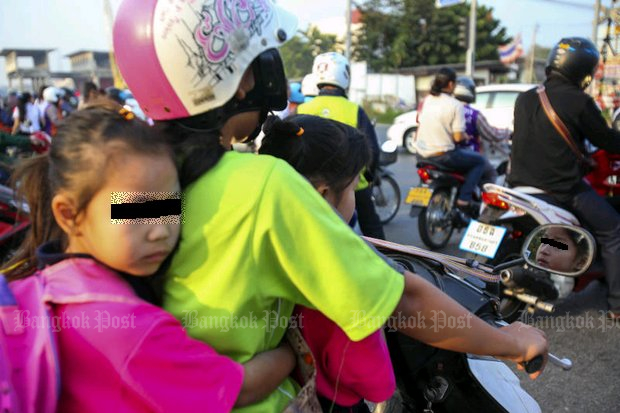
(541, 158)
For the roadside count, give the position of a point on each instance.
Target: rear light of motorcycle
(424, 175)
(494, 200)
(516, 234)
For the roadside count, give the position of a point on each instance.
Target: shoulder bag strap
(557, 123)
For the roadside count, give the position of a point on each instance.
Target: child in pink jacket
(105, 207)
(331, 155)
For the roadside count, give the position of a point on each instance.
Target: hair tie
(127, 114)
(300, 131)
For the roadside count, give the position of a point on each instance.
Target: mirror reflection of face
(558, 251)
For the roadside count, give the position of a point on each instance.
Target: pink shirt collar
(81, 280)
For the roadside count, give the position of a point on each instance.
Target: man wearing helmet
(332, 74)
(476, 126)
(543, 159)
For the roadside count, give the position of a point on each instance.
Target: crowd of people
(257, 234)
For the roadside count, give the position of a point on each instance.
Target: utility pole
(471, 47)
(533, 55)
(595, 22)
(348, 35)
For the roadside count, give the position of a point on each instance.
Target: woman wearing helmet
(476, 126)
(257, 238)
(541, 157)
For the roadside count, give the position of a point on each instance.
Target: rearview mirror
(560, 249)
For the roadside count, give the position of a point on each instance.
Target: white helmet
(308, 86)
(50, 94)
(332, 69)
(187, 58)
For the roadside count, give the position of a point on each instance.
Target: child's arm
(264, 373)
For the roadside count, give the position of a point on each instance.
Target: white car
(496, 102)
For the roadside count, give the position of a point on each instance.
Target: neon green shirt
(258, 239)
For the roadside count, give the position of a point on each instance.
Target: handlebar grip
(534, 364)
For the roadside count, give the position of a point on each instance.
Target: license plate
(419, 196)
(482, 239)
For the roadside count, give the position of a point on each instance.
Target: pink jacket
(119, 353)
(362, 369)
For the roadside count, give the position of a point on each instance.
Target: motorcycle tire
(435, 223)
(386, 198)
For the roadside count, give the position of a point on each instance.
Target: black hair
(22, 102)
(444, 76)
(82, 151)
(322, 150)
(89, 87)
(196, 151)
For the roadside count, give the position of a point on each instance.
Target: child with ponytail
(330, 155)
(105, 208)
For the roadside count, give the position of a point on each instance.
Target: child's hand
(265, 372)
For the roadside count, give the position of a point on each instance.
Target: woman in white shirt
(26, 119)
(442, 123)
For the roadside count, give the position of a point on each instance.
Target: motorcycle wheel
(435, 223)
(386, 197)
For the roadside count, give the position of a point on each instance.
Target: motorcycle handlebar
(535, 364)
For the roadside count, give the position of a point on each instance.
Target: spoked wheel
(435, 221)
(386, 197)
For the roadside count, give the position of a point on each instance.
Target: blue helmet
(296, 95)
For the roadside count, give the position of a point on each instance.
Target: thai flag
(510, 52)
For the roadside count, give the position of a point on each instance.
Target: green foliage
(299, 53)
(386, 117)
(405, 33)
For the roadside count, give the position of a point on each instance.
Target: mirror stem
(513, 263)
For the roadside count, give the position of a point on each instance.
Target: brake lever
(535, 364)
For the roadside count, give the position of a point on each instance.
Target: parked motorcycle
(508, 216)
(385, 190)
(605, 179)
(14, 223)
(434, 380)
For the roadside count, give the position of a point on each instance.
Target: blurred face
(557, 251)
(238, 127)
(136, 246)
(344, 202)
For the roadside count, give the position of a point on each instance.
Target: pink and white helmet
(181, 58)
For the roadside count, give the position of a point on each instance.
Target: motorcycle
(14, 223)
(434, 202)
(605, 178)
(508, 216)
(433, 380)
(385, 190)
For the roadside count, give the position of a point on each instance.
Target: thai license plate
(419, 196)
(482, 239)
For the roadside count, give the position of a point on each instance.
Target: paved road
(577, 330)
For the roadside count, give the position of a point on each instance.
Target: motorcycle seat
(427, 162)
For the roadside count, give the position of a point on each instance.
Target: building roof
(95, 52)
(25, 52)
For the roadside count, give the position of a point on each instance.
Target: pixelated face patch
(146, 208)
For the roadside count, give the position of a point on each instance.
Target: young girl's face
(131, 247)
(345, 201)
(555, 258)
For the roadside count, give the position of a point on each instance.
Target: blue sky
(70, 25)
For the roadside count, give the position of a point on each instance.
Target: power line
(569, 3)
